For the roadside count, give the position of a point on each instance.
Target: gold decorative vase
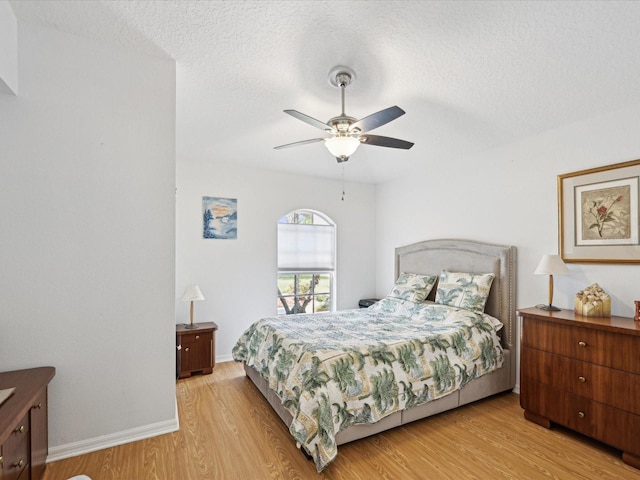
(593, 301)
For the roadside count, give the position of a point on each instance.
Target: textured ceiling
(470, 75)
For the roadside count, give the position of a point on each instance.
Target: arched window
(306, 262)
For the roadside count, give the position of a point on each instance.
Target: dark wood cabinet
(24, 433)
(583, 373)
(39, 434)
(195, 349)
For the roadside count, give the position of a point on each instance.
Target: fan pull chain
(342, 182)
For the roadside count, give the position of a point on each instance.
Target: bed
(337, 377)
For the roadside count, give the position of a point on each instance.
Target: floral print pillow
(413, 287)
(464, 290)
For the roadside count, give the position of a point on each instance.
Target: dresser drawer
(602, 422)
(602, 384)
(589, 345)
(15, 451)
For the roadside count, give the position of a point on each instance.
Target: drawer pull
(186, 349)
(197, 337)
(580, 414)
(20, 429)
(582, 344)
(582, 379)
(19, 464)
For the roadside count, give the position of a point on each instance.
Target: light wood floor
(228, 431)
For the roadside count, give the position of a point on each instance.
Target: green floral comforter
(334, 370)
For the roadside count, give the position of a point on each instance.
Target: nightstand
(367, 302)
(195, 349)
(582, 373)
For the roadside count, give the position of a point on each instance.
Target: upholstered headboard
(433, 256)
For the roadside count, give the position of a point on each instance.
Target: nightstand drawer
(191, 338)
(586, 344)
(606, 385)
(607, 424)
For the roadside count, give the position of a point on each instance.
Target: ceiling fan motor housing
(341, 124)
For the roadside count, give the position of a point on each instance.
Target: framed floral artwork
(598, 214)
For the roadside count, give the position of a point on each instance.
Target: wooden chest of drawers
(23, 424)
(583, 373)
(15, 451)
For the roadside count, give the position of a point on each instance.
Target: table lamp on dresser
(192, 294)
(551, 265)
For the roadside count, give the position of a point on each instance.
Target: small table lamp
(192, 294)
(551, 265)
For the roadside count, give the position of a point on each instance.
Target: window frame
(296, 294)
(299, 272)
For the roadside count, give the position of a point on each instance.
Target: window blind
(306, 247)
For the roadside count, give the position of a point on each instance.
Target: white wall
(87, 182)
(508, 195)
(238, 277)
(8, 49)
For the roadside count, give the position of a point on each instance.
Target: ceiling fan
(347, 133)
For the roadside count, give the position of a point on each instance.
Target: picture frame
(598, 214)
(219, 218)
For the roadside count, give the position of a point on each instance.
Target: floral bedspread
(334, 370)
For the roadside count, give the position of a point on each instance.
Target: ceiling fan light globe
(342, 146)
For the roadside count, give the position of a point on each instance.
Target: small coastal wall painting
(219, 218)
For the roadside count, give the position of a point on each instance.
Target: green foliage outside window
(304, 292)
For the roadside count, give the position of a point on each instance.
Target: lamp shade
(551, 265)
(192, 293)
(342, 146)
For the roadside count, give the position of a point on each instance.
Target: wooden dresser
(583, 373)
(24, 433)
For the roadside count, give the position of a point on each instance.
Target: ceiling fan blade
(310, 120)
(377, 119)
(379, 141)
(303, 142)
